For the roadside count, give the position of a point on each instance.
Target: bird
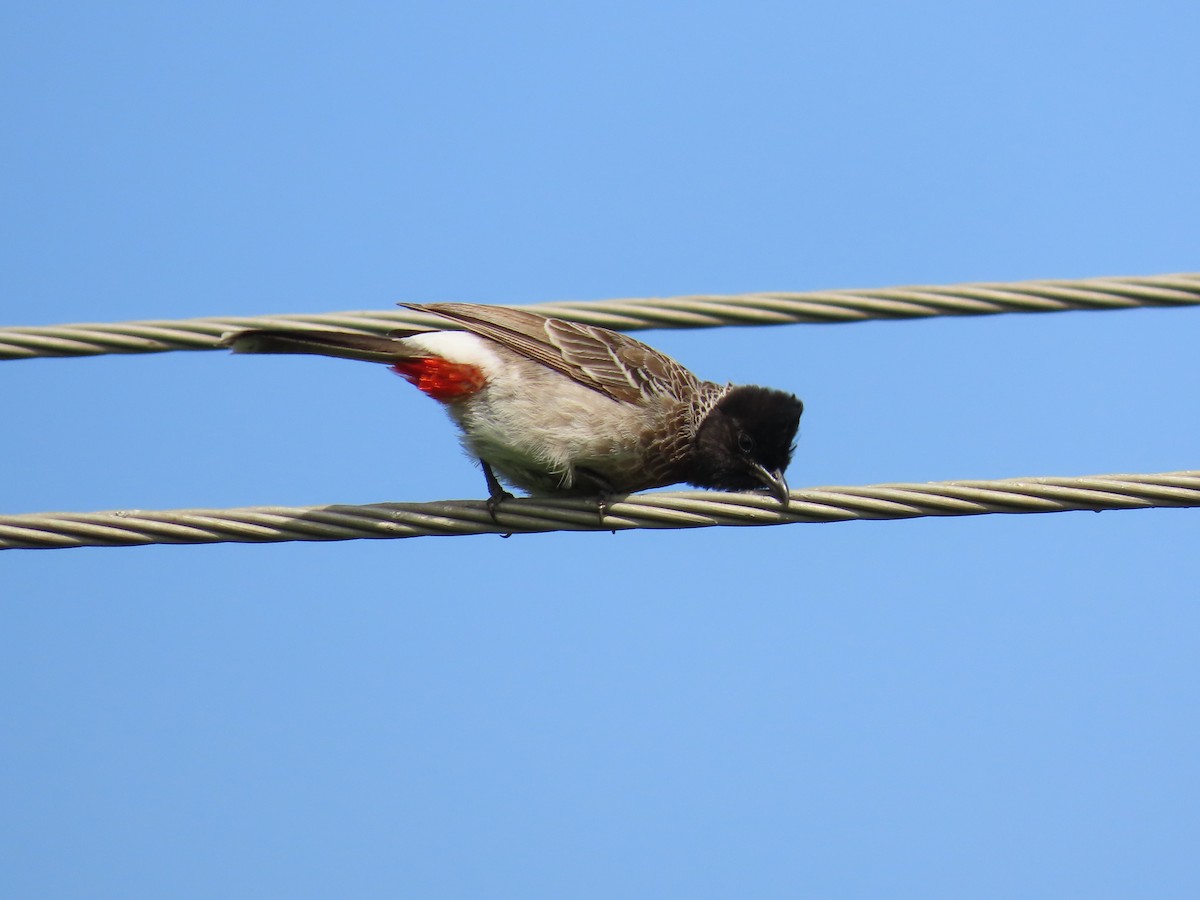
(558, 408)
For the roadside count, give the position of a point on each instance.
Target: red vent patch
(441, 379)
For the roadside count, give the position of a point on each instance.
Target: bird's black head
(746, 441)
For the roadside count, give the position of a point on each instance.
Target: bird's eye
(745, 442)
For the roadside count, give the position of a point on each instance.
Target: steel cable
(699, 311)
(680, 509)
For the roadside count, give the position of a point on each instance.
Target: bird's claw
(493, 504)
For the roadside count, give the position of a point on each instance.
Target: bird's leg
(496, 492)
(604, 488)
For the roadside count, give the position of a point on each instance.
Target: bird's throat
(441, 379)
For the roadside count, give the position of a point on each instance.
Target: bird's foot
(496, 494)
(604, 490)
(494, 501)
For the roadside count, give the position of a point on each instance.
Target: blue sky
(992, 707)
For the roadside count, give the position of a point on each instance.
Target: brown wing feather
(621, 363)
(609, 362)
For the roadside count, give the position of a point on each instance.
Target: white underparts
(534, 425)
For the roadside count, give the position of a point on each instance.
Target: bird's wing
(612, 363)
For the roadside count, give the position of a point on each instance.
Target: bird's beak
(774, 481)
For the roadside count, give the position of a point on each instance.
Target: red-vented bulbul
(554, 407)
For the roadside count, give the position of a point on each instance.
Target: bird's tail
(343, 344)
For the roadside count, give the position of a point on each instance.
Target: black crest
(747, 440)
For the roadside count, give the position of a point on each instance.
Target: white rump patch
(458, 347)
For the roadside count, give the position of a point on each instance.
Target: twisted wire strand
(698, 311)
(690, 509)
